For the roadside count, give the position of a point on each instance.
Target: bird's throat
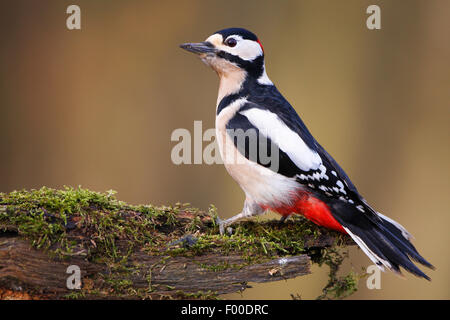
(230, 83)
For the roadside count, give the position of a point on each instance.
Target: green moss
(52, 219)
(338, 287)
(220, 266)
(97, 226)
(75, 295)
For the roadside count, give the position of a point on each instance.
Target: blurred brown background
(96, 107)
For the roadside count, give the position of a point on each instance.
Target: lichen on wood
(143, 251)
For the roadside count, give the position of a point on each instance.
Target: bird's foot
(222, 224)
(219, 222)
(283, 219)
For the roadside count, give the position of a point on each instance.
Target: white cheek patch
(245, 49)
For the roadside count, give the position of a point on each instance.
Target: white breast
(260, 184)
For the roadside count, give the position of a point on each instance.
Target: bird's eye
(231, 42)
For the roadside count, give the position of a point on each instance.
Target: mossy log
(125, 251)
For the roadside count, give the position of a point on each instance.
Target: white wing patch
(270, 125)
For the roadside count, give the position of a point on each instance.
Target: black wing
(329, 180)
(385, 241)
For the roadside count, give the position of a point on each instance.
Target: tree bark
(28, 272)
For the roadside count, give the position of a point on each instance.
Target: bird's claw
(283, 219)
(222, 224)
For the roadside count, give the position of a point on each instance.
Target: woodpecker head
(230, 51)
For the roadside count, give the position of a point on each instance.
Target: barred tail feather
(383, 240)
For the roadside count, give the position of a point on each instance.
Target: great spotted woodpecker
(306, 180)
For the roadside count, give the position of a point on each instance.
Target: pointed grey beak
(199, 48)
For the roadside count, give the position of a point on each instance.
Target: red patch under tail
(312, 209)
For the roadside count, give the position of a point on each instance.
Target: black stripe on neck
(254, 68)
(227, 100)
(251, 89)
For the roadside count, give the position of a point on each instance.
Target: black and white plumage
(306, 179)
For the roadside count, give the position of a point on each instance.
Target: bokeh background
(96, 107)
